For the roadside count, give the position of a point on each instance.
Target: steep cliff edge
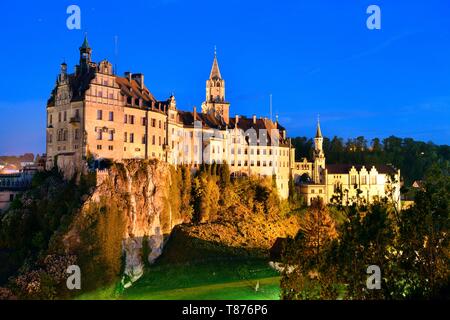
(133, 200)
(113, 223)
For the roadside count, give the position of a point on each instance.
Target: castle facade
(352, 183)
(95, 114)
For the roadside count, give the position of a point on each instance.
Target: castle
(356, 183)
(94, 113)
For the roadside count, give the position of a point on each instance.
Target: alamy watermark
(74, 19)
(374, 20)
(74, 280)
(373, 282)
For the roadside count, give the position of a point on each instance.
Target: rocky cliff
(135, 198)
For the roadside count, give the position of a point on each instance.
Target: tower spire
(85, 44)
(215, 72)
(318, 131)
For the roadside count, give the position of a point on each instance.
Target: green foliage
(412, 157)
(101, 227)
(28, 228)
(410, 247)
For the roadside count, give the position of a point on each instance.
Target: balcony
(75, 120)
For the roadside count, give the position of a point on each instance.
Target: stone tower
(319, 156)
(215, 102)
(85, 55)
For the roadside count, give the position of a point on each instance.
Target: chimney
(237, 120)
(195, 113)
(139, 78)
(254, 119)
(128, 75)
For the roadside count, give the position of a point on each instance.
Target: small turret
(85, 55)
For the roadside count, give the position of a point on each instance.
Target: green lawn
(220, 279)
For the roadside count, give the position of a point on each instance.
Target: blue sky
(314, 57)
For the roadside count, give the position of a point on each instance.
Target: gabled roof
(208, 120)
(133, 89)
(345, 168)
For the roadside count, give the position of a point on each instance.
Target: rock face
(140, 192)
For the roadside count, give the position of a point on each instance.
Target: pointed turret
(318, 131)
(319, 156)
(85, 44)
(215, 71)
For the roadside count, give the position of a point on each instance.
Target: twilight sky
(314, 57)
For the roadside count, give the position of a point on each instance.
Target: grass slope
(233, 279)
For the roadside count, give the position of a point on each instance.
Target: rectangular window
(77, 134)
(159, 124)
(153, 123)
(65, 115)
(125, 137)
(153, 140)
(364, 180)
(99, 147)
(125, 118)
(110, 148)
(111, 135)
(99, 134)
(59, 117)
(111, 116)
(99, 114)
(144, 122)
(373, 180)
(353, 180)
(144, 139)
(131, 119)
(50, 121)
(131, 137)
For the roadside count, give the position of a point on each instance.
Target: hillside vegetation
(119, 224)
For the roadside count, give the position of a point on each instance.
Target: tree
(317, 226)
(185, 188)
(424, 238)
(304, 276)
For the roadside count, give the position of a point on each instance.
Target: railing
(75, 119)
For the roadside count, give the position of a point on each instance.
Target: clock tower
(215, 102)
